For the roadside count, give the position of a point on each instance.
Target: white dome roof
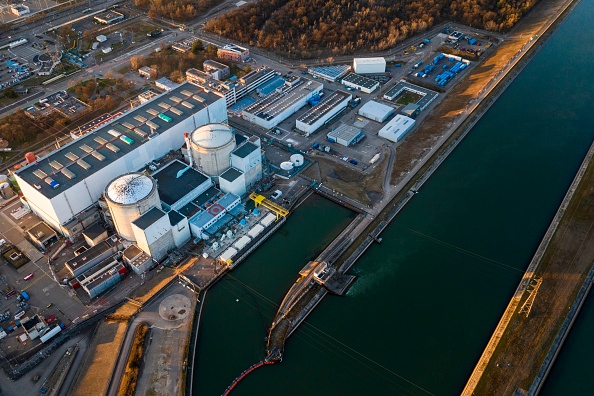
(212, 135)
(130, 188)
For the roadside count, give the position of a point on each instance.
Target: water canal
(430, 295)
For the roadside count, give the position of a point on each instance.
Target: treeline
(19, 130)
(105, 94)
(178, 10)
(311, 28)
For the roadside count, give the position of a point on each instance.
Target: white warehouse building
(313, 119)
(285, 101)
(376, 111)
(397, 128)
(369, 65)
(69, 181)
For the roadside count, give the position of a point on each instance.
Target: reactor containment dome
(212, 145)
(128, 197)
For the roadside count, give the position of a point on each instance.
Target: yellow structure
(261, 200)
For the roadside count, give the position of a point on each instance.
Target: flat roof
(255, 75)
(89, 254)
(132, 251)
(99, 148)
(94, 231)
(171, 188)
(174, 217)
(327, 105)
(149, 218)
(370, 61)
(360, 80)
(277, 102)
(214, 64)
(227, 200)
(376, 108)
(345, 132)
(44, 229)
(198, 73)
(333, 72)
(245, 149)
(428, 95)
(112, 272)
(230, 174)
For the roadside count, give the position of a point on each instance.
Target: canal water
(430, 295)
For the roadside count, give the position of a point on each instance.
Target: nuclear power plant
(125, 173)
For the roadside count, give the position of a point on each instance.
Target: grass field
(407, 97)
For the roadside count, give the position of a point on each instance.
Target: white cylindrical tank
(211, 148)
(287, 165)
(128, 197)
(297, 160)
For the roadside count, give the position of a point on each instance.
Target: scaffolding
(277, 209)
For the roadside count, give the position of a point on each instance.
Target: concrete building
(184, 45)
(42, 235)
(376, 111)
(236, 90)
(147, 72)
(19, 9)
(246, 170)
(319, 115)
(166, 84)
(66, 183)
(178, 184)
(198, 76)
(95, 234)
(180, 227)
(397, 128)
(369, 65)
(346, 135)
(218, 70)
(285, 101)
(92, 256)
(109, 17)
(137, 260)
(233, 53)
(360, 83)
(153, 233)
(208, 221)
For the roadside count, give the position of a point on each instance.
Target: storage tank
(287, 165)
(30, 157)
(5, 190)
(128, 197)
(212, 145)
(297, 160)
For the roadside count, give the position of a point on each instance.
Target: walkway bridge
(244, 374)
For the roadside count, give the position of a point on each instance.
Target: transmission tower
(532, 290)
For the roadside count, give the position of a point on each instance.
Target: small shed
(42, 235)
(101, 38)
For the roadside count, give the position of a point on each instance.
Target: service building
(285, 101)
(376, 111)
(233, 53)
(319, 115)
(397, 128)
(360, 83)
(369, 65)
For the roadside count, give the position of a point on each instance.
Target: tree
(197, 46)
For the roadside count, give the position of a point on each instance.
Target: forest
(177, 10)
(313, 28)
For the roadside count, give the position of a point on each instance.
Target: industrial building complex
(323, 112)
(276, 107)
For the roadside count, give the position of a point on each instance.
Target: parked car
(29, 276)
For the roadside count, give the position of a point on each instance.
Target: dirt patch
(365, 188)
(97, 366)
(133, 365)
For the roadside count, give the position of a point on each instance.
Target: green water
(431, 294)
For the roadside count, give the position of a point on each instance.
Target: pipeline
(244, 374)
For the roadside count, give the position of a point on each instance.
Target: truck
(25, 295)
